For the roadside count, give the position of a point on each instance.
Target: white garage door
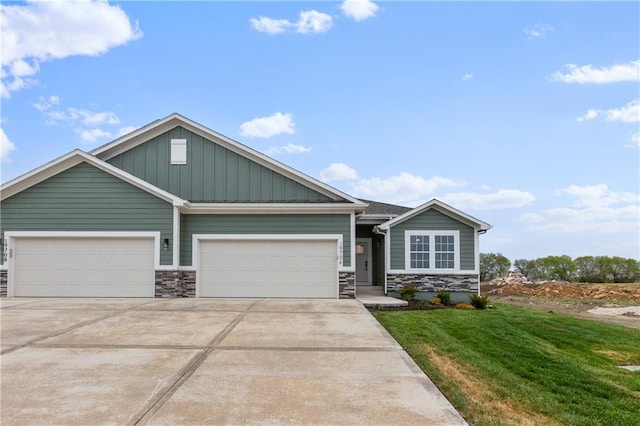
(84, 267)
(268, 268)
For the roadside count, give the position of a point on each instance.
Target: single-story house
(175, 209)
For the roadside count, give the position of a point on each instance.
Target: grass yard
(512, 365)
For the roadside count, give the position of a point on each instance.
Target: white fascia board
(442, 208)
(267, 208)
(373, 219)
(74, 158)
(158, 127)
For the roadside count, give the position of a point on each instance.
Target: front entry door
(363, 261)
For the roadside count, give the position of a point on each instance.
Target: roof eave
(74, 158)
(443, 208)
(270, 208)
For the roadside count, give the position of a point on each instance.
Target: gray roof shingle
(376, 207)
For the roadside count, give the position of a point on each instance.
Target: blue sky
(525, 115)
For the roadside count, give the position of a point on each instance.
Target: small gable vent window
(178, 151)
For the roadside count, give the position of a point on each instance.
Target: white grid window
(419, 251)
(444, 252)
(432, 250)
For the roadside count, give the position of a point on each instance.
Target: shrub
(422, 303)
(464, 306)
(435, 301)
(408, 292)
(444, 296)
(479, 302)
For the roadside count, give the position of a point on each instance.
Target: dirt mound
(596, 292)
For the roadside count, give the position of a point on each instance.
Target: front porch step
(373, 296)
(369, 290)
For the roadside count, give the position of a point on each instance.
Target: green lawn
(511, 365)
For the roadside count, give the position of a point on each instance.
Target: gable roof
(74, 158)
(158, 127)
(442, 208)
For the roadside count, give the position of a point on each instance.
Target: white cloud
(40, 31)
(590, 74)
(359, 10)
(289, 148)
(6, 146)
(467, 76)
(85, 123)
(92, 135)
(338, 172)
(590, 115)
(635, 141)
(598, 195)
(602, 220)
(265, 127)
(538, 30)
(628, 113)
(404, 188)
(312, 21)
(501, 199)
(309, 21)
(270, 26)
(596, 209)
(47, 104)
(84, 116)
(126, 130)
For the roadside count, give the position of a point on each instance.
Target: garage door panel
(84, 267)
(267, 268)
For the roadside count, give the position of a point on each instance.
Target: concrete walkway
(374, 297)
(207, 361)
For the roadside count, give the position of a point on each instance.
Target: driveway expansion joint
(59, 332)
(185, 373)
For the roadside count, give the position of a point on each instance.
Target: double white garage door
(125, 267)
(83, 267)
(267, 268)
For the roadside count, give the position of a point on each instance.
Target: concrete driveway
(207, 361)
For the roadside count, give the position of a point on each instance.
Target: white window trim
(432, 252)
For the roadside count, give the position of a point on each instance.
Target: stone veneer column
(3, 283)
(172, 284)
(430, 283)
(347, 285)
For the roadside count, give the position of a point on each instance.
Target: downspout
(479, 232)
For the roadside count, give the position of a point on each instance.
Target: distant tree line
(588, 269)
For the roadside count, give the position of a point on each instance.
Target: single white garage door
(268, 268)
(84, 267)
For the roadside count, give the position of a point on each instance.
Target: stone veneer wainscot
(171, 284)
(347, 285)
(3, 283)
(431, 283)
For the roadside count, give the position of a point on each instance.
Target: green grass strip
(562, 368)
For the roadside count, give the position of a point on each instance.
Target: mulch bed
(414, 305)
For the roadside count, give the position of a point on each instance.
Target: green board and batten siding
(264, 224)
(212, 173)
(432, 220)
(84, 198)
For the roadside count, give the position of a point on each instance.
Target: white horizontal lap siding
(267, 266)
(83, 264)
